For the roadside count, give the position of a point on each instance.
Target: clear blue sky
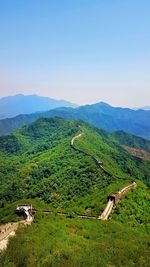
(84, 51)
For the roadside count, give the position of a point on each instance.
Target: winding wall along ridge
(114, 198)
(99, 163)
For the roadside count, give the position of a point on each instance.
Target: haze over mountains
(101, 115)
(11, 106)
(143, 108)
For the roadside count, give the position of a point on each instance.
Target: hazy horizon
(145, 106)
(80, 51)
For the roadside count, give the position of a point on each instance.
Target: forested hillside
(40, 153)
(39, 166)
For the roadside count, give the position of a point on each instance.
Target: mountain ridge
(101, 115)
(47, 133)
(39, 166)
(11, 106)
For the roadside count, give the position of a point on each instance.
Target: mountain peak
(12, 106)
(104, 104)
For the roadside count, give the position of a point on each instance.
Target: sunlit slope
(115, 158)
(38, 162)
(60, 242)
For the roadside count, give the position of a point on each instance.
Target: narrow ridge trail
(99, 163)
(114, 198)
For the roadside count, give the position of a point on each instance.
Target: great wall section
(113, 198)
(8, 230)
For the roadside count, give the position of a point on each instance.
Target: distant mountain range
(100, 115)
(143, 108)
(12, 106)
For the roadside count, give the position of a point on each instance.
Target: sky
(82, 51)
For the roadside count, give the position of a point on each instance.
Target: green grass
(57, 241)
